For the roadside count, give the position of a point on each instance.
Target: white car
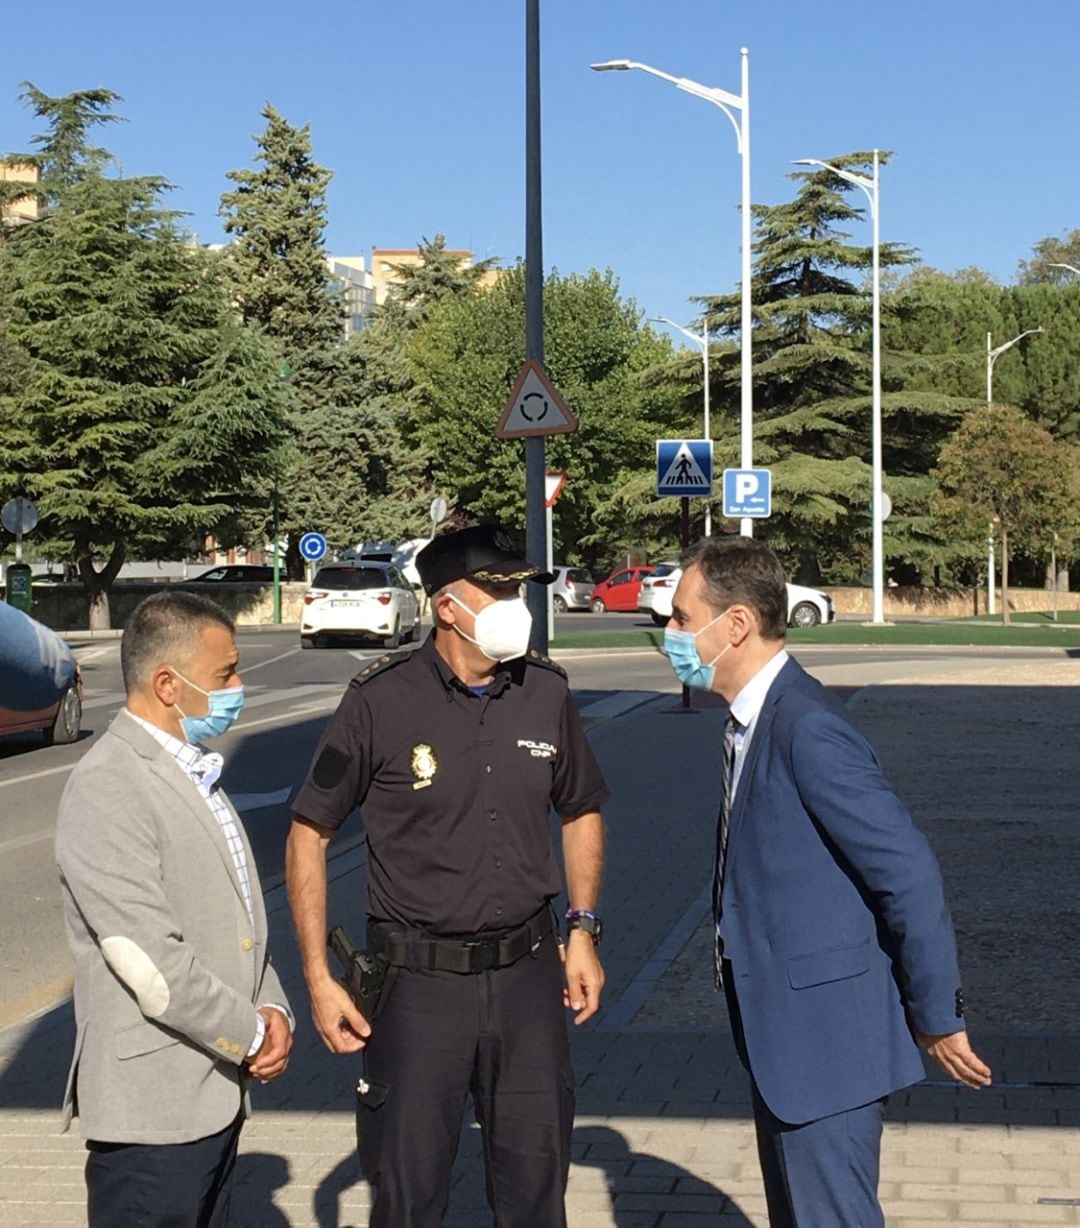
(373, 600)
(806, 606)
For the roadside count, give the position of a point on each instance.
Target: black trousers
(173, 1185)
(499, 1036)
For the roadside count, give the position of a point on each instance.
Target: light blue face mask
(225, 706)
(683, 657)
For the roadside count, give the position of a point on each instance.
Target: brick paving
(663, 1136)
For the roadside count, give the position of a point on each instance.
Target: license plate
(345, 605)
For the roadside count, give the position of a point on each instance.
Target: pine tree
(277, 217)
(811, 371)
(129, 428)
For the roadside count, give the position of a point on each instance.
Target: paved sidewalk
(663, 1136)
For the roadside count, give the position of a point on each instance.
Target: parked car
(359, 599)
(40, 684)
(235, 573)
(619, 591)
(571, 589)
(806, 606)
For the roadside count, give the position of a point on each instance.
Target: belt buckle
(483, 955)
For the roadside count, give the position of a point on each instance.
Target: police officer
(456, 752)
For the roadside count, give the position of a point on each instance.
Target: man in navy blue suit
(833, 939)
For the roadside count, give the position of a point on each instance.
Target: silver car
(572, 588)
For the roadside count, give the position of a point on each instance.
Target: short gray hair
(742, 571)
(166, 627)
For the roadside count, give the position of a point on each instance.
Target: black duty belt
(415, 949)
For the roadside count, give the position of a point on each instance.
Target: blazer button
(247, 944)
(222, 1043)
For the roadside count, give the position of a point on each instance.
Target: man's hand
(954, 1054)
(338, 1022)
(584, 976)
(273, 1054)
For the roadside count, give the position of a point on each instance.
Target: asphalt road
(290, 695)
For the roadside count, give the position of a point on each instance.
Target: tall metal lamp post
(870, 188)
(702, 341)
(994, 352)
(728, 103)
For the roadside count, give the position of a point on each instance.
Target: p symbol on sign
(746, 484)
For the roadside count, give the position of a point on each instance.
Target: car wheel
(597, 606)
(659, 619)
(309, 641)
(68, 720)
(558, 604)
(805, 614)
(393, 640)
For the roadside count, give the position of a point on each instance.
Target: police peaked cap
(483, 552)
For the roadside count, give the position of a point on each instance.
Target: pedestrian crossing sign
(684, 467)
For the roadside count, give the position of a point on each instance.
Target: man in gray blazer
(176, 1003)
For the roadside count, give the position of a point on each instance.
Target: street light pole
(877, 503)
(702, 341)
(990, 606)
(728, 103)
(993, 353)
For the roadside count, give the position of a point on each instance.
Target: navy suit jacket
(833, 915)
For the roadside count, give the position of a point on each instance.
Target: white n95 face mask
(502, 628)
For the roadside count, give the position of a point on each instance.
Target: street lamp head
(612, 66)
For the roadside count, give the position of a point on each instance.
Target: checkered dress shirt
(203, 768)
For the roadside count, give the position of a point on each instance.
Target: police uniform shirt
(455, 787)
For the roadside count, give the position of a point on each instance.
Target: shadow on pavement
(638, 1182)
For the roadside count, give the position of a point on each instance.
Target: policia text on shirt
(456, 752)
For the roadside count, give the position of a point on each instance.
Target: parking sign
(748, 492)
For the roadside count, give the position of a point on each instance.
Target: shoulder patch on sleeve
(330, 767)
(379, 665)
(537, 658)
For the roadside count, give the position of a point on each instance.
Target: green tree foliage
(142, 416)
(277, 217)
(276, 261)
(1000, 467)
(811, 374)
(463, 361)
(1046, 255)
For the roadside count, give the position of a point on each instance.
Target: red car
(619, 591)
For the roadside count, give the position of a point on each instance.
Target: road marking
(94, 653)
(19, 842)
(250, 669)
(37, 1000)
(18, 780)
(255, 801)
(284, 716)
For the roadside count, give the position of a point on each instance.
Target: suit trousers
(173, 1185)
(817, 1174)
(499, 1036)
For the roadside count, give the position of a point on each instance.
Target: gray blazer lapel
(173, 775)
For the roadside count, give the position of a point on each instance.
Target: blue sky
(417, 105)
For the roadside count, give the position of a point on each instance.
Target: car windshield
(578, 575)
(352, 578)
(663, 569)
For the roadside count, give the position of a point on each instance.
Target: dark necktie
(723, 827)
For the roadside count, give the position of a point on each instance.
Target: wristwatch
(582, 919)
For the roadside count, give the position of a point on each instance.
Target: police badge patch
(424, 765)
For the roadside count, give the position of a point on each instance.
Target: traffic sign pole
(535, 450)
(684, 538)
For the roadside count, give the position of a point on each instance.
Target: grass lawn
(973, 633)
(1037, 618)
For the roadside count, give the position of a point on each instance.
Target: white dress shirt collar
(751, 699)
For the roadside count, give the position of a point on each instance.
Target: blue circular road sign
(312, 546)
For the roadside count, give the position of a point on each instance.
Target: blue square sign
(748, 492)
(684, 467)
